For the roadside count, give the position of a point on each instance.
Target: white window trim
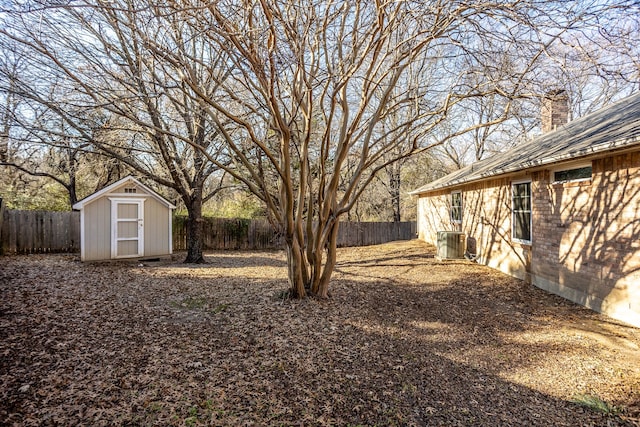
(569, 166)
(514, 239)
(451, 207)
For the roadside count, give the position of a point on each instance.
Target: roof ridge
(611, 127)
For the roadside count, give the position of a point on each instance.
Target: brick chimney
(555, 110)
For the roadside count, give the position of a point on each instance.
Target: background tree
(127, 104)
(595, 66)
(10, 66)
(35, 141)
(376, 203)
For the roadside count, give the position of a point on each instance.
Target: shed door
(127, 228)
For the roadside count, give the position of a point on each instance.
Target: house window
(580, 173)
(130, 190)
(456, 207)
(521, 212)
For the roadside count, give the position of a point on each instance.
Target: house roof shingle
(613, 127)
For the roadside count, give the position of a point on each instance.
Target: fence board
(42, 231)
(229, 234)
(222, 233)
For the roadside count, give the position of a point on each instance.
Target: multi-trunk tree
(303, 102)
(312, 84)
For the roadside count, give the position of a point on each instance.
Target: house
(124, 220)
(561, 211)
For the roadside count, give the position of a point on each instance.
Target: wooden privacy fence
(39, 232)
(374, 233)
(44, 231)
(222, 233)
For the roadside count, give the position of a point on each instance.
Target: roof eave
(82, 203)
(577, 155)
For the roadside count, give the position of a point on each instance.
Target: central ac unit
(451, 244)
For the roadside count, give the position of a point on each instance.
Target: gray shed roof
(613, 127)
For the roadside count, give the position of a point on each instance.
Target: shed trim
(82, 233)
(170, 232)
(114, 226)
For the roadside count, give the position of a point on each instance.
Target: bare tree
(595, 71)
(10, 64)
(294, 98)
(482, 142)
(30, 125)
(313, 82)
(128, 104)
(594, 66)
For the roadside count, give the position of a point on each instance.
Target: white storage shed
(126, 219)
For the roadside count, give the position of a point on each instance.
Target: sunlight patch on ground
(537, 360)
(215, 273)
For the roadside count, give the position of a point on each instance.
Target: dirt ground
(404, 340)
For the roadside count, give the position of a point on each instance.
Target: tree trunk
(72, 187)
(73, 195)
(321, 288)
(295, 264)
(308, 273)
(195, 229)
(4, 146)
(394, 189)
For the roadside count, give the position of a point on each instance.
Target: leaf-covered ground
(404, 340)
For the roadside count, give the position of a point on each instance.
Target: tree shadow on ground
(110, 344)
(234, 259)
